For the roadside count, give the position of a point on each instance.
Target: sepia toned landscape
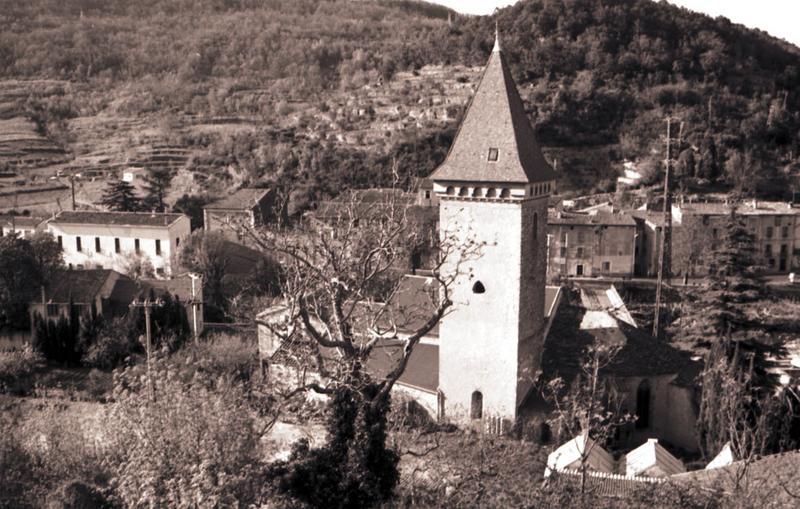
(380, 253)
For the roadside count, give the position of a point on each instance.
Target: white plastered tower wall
(491, 342)
(493, 189)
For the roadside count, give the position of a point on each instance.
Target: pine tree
(120, 196)
(157, 182)
(718, 313)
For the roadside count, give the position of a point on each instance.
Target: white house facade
(110, 240)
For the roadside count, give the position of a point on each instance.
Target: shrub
(113, 344)
(16, 368)
(201, 447)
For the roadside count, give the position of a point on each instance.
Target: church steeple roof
(495, 142)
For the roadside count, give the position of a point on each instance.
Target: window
(563, 237)
(491, 193)
(464, 191)
(116, 246)
(177, 241)
(505, 193)
(158, 247)
(427, 195)
(606, 266)
(476, 407)
(78, 244)
(493, 153)
(784, 232)
(769, 232)
(714, 233)
(52, 310)
(562, 252)
(579, 252)
(777, 220)
(784, 250)
(643, 405)
(60, 241)
(579, 270)
(580, 237)
(477, 192)
(451, 190)
(160, 271)
(97, 244)
(768, 250)
(478, 287)
(535, 225)
(136, 245)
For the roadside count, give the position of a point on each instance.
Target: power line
(664, 258)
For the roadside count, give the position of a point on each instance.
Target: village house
(586, 245)
(24, 226)
(110, 240)
(700, 226)
(109, 293)
(246, 207)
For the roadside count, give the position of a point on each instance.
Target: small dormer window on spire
(493, 153)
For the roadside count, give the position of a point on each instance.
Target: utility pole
(666, 230)
(147, 305)
(72, 185)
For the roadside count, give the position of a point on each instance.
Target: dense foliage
(593, 72)
(25, 265)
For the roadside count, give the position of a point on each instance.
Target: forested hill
(598, 76)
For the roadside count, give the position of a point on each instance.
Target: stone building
(700, 226)
(109, 240)
(493, 189)
(245, 207)
(599, 244)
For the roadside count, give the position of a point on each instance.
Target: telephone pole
(666, 230)
(147, 305)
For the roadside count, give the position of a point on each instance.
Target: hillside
(326, 95)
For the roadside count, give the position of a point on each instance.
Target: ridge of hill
(319, 95)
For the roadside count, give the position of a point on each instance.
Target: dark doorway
(476, 409)
(643, 405)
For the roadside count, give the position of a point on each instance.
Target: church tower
(493, 189)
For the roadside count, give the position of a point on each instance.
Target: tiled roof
(640, 354)
(21, 221)
(80, 286)
(495, 119)
(743, 209)
(243, 199)
(596, 219)
(771, 479)
(116, 218)
(422, 370)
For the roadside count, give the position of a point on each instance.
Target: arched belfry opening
(643, 405)
(476, 406)
(478, 287)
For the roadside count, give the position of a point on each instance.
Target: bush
(16, 368)
(113, 344)
(202, 447)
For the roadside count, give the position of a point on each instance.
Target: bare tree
(341, 286)
(751, 420)
(590, 407)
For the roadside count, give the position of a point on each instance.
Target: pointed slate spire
(495, 121)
